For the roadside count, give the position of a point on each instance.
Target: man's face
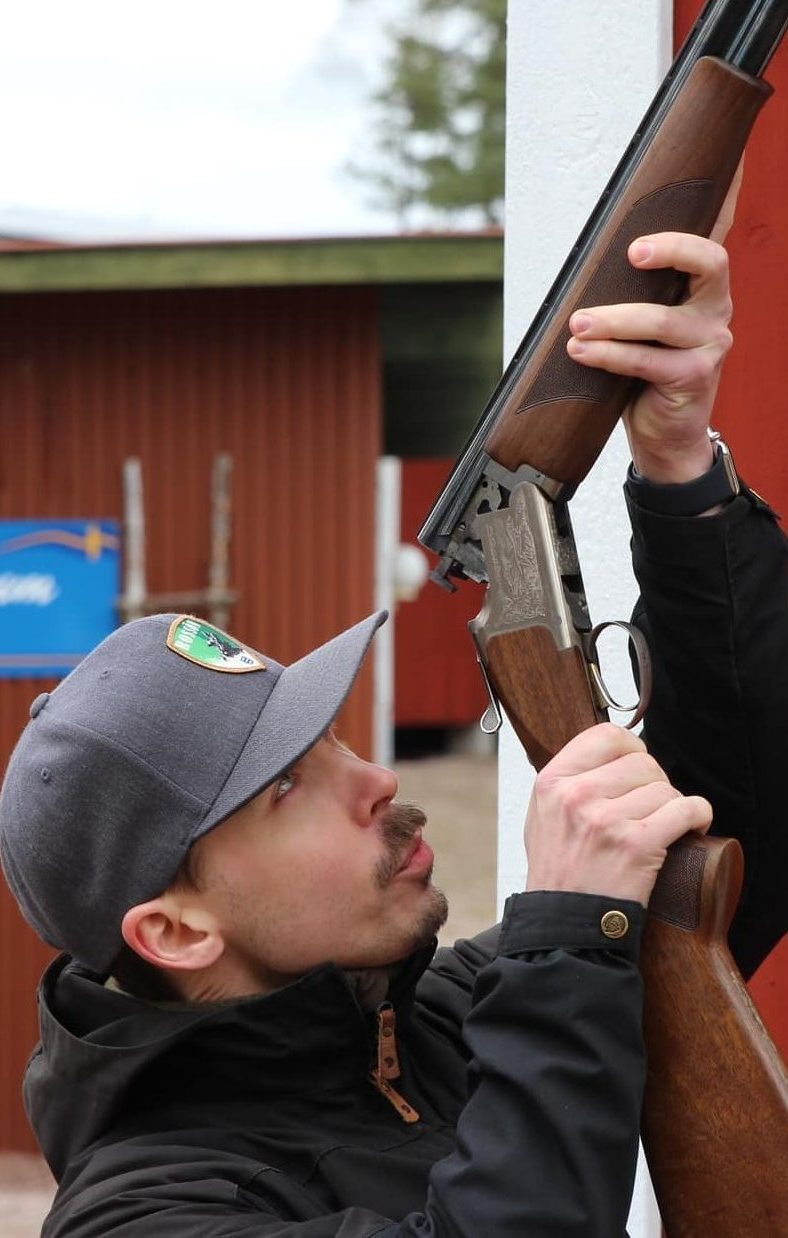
(321, 866)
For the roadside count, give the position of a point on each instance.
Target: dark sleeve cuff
(718, 485)
(542, 920)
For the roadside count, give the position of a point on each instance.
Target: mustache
(397, 828)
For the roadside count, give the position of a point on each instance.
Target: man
(246, 1034)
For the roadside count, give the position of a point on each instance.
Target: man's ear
(169, 934)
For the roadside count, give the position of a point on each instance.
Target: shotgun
(715, 1126)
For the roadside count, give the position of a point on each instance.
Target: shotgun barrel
(673, 176)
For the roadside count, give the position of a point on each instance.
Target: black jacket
(258, 1117)
(521, 1053)
(714, 605)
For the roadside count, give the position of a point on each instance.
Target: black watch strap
(688, 498)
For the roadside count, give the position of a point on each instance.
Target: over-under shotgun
(715, 1123)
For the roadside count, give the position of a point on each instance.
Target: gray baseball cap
(160, 733)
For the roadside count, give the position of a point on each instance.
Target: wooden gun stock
(715, 1118)
(544, 690)
(559, 414)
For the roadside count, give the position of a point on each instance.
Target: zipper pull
(388, 1057)
(388, 1064)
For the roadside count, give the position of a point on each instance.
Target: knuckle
(666, 792)
(575, 796)
(630, 844)
(587, 814)
(653, 769)
(544, 783)
(605, 740)
(637, 768)
(701, 366)
(593, 819)
(610, 733)
(718, 259)
(663, 318)
(642, 361)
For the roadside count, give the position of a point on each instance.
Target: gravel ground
(458, 794)
(26, 1188)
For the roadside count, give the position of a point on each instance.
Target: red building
(284, 355)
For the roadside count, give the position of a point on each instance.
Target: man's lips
(418, 858)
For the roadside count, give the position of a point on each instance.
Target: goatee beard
(399, 825)
(397, 829)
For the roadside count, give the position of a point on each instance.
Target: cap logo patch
(208, 646)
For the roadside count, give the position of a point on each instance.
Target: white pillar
(580, 74)
(388, 491)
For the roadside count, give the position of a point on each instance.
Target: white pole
(579, 77)
(135, 588)
(387, 539)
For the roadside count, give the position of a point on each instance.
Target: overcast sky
(168, 118)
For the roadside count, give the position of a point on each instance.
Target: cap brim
(305, 701)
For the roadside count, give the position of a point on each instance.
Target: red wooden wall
(288, 382)
(753, 399)
(437, 680)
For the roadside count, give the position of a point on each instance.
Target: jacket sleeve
(546, 1142)
(714, 606)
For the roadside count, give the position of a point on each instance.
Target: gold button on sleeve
(614, 924)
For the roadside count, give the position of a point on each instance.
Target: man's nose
(378, 787)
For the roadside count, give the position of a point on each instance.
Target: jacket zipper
(387, 1067)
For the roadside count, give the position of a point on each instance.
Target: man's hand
(602, 816)
(677, 350)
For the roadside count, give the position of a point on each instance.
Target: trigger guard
(645, 673)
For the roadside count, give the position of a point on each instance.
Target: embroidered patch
(208, 646)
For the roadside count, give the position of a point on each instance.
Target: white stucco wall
(580, 75)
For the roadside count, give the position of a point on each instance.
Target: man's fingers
(658, 811)
(663, 367)
(676, 326)
(674, 345)
(602, 816)
(591, 748)
(698, 256)
(677, 817)
(637, 804)
(613, 782)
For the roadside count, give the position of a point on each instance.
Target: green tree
(439, 115)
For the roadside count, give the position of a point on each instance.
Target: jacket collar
(100, 1046)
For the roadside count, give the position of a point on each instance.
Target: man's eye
(285, 783)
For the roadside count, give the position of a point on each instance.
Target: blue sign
(59, 583)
